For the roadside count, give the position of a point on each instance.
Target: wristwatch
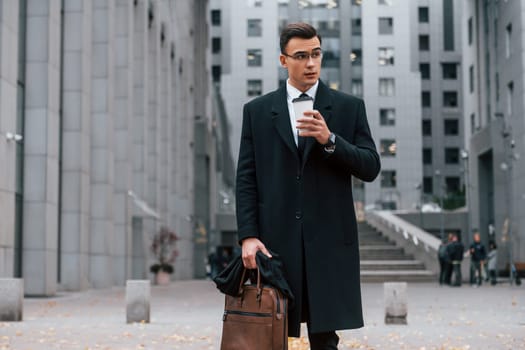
(330, 145)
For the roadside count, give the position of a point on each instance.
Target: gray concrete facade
(112, 90)
(493, 54)
(403, 98)
(76, 156)
(8, 124)
(41, 147)
(442, 174)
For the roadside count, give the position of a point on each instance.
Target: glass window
(496, 81)
(452, 183)
(387, 87)
(356, 57)
(451, 126)
(508, 36)
(451, 155)
(428, 184)
(424, 43)
(387, 116)
(424, 69)
(387, 148)
(357, 87)
(216, 73)
(254, 27)
(449, 70)
(386, 25)
(386, 56)
(470, 31)
(216, 17)
(323, 4)
(427, 155)
(385, 2)
(510, 93)
(215, 45)
(388, 178)
(471, 80)
(254, 87)
(448, 25)
(472, 123)
(450, 99)
(254, 3)
(356, 26)
(254, 57)
(425, 99)
(423, 14)
(328, 28)
(427, 127)
(331, 52)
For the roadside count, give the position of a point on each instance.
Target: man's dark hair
(297, 30)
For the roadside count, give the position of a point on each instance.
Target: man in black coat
(294, 192)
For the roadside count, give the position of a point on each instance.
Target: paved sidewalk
(187, 315)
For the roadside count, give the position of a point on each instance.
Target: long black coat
(295, 207)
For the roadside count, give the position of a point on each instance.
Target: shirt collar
(292, 92)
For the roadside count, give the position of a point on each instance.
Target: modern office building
(367, 51)
(98, 105)
(436, 47)
(494, 122)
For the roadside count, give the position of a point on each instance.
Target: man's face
(477, 238)
(303, 74)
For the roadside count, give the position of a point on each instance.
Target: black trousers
(318, 341)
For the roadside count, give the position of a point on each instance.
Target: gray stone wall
(76, 155)
(111, 97)
(41, 147)
(8, 115)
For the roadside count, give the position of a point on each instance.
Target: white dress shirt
(292, 93)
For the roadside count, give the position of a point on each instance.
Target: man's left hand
(313, 125)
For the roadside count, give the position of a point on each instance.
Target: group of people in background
(483, 264)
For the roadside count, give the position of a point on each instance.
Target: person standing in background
(478, 254)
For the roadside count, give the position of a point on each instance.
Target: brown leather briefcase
(256, 319)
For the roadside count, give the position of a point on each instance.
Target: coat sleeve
(359, 158)
(246, 183)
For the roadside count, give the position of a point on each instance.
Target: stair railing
(421, 244)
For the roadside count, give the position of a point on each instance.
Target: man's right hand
(250, 246)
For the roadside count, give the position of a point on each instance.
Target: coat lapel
(323, 103)
(281, 119)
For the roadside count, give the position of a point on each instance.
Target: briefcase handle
(241, 286)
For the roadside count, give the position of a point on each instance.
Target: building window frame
(254, 87)
(424, 42)
(386, 25)
(254, 57)
(387, 87)
(386, 56)
(387, 147)
(424, 69)
(387, 116)
(388, 179)
(254, 27)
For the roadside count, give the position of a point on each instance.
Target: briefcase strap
(241, 286)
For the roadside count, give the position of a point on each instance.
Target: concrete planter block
(138, 295)
(11, 299)
(396, 310)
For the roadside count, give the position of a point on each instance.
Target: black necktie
(301, 140)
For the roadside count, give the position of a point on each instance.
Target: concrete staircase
(383, 261)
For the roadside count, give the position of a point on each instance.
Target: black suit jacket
(303, 209)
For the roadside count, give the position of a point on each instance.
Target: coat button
(298, 177)
(298, 215)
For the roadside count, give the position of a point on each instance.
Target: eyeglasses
(303, 56)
